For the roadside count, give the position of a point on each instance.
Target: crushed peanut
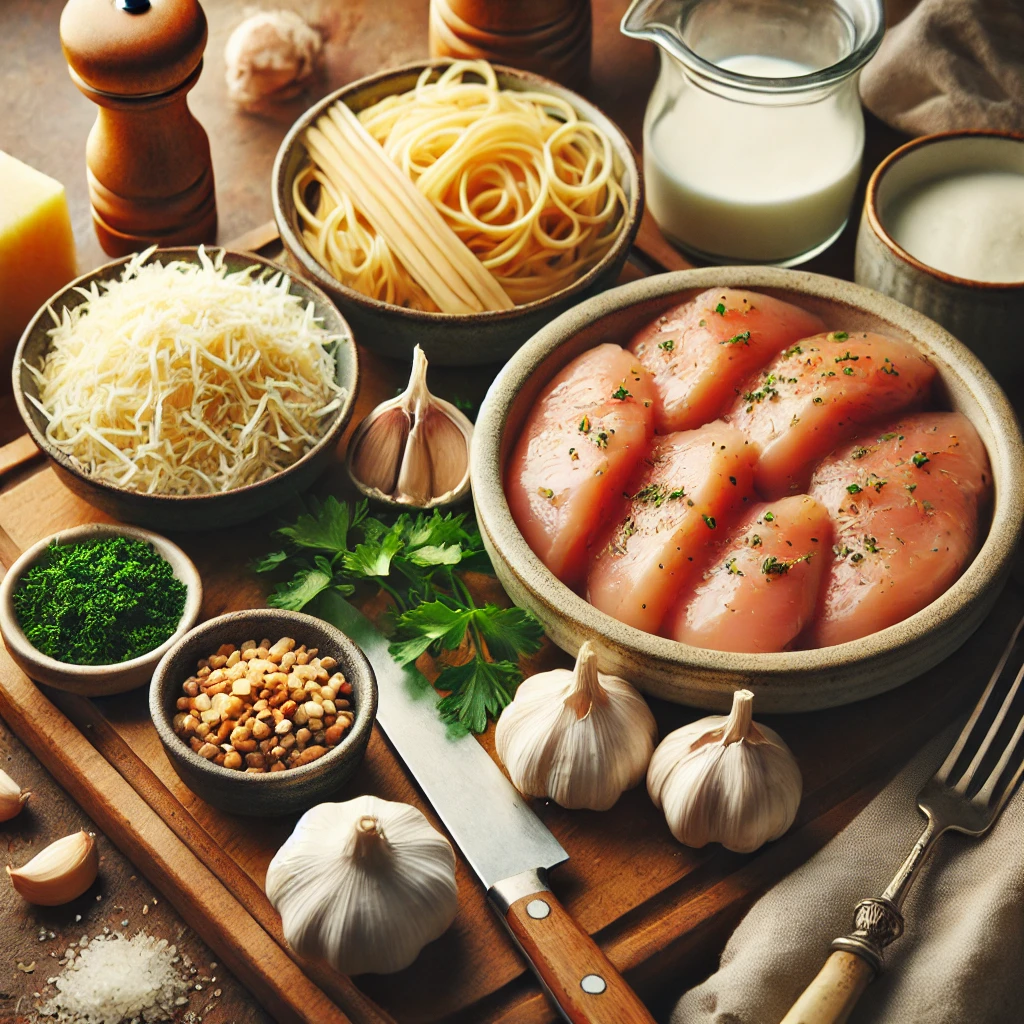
(264, 707)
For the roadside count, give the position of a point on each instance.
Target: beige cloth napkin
(961, 959)
(950, 64)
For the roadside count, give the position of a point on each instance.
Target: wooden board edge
(200, 897)
(91, 723)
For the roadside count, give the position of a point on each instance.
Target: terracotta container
(148, 158)
(550, 37)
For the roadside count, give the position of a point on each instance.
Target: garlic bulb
(270, 56)
(364, 884)
(12, 799)
(60, 873)
(579, 737)
(726, 779)
(414, 449)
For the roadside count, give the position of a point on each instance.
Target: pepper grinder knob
(148, 159)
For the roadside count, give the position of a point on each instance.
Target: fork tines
(987, 759)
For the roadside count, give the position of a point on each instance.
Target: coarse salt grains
(115, 978)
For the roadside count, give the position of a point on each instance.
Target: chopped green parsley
(737, 339)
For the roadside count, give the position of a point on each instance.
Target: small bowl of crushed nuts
(264, 712)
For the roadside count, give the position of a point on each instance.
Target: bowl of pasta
(456, 205)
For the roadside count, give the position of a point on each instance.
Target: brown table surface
(45, 122)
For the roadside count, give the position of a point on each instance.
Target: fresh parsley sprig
(417, 561)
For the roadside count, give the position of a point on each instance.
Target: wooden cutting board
(653, 905)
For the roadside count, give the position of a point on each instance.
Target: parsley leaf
(478, 688)
(301, 589)
(325, 527)
(417, 561)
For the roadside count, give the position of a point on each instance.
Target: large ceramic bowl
(271, 793)
(785, 682)
(473, 339)
(199, 511)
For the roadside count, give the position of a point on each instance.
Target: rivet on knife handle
(578, 977)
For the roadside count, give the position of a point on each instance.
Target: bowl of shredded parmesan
(187, 388)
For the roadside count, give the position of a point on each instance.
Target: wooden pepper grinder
(550, 37)
(148, 158)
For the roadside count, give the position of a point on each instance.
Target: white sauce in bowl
(970, 224)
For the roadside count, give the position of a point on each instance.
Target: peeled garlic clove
(726, 779)
(577, 737)
(363, 884)
(414, 449)
(12, 799)
(60, 873)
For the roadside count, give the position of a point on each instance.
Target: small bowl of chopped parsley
(93, 609)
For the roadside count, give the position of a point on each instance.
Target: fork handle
(831, 997)
(855, 960)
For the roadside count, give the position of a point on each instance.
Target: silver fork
(965, 795)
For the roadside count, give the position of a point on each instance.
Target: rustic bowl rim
(184, 569)
(496, 522)
(352, 745)
(281, 196)
(189, 253)
(874, 217)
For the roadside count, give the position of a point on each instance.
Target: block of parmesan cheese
(37, 250)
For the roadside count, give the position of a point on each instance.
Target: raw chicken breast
(906, 501)
(688, 488)
(582, 440)
(818, 394)
(762, 584)
(701, 351)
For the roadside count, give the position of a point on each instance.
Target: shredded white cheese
(185, 379)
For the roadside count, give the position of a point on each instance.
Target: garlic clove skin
(12, 798)
(726, 779)
(364, 885)
(412, 451)
(59, 873)
(270, 56)
(580, 737)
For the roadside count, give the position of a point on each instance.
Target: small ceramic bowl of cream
(943, 231)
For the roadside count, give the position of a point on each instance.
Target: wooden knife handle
(576, 974)
(831, 997)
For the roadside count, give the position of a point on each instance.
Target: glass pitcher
(754, 133)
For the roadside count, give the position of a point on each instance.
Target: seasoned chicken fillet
(584, 437)
(691, 485)
(820, 392)
(702, 350)
(906, 501)
(760, 586)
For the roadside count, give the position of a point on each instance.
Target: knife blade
(508, 847)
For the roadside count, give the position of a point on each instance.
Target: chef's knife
(505, 843)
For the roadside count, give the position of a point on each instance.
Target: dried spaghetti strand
(530, 190)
